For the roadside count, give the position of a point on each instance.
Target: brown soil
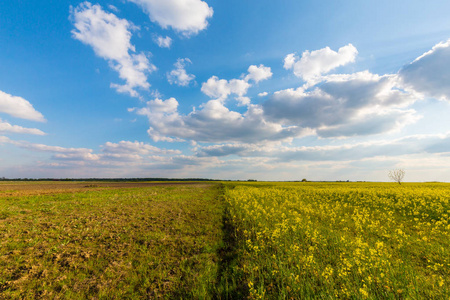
(22, 188)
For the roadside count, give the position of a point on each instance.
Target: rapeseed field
(341, 240)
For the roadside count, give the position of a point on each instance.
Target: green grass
(157, 242)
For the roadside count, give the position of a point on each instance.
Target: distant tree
(304, 180)
(397, 175)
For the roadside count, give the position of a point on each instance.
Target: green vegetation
(232, 240)
(111, 244)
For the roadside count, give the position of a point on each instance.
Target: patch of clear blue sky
(70, 85)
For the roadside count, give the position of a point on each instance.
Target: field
(351, 241)
(109, 241)
(230, 240)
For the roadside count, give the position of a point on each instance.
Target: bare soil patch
(25, 188)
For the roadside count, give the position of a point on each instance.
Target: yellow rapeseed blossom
(335, 240)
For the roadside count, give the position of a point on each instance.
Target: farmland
(362, 241)
(78, 241)
(227, 240)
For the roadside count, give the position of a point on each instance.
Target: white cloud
(430, 73)
(263, 94)
(113, 8)
(19, 108)
(315, 63)
(122, 159)
(179, 76)
(224, 150)
(159, 106)
(258, 73)
(163, 42)
(345, 105)
(337, 105)
(54, 149)
(415, 144)
(422, 156)
(243, 101)
(289, 61)
(5, 127)
(371, 123)
(212, 123)
(137, 148)
(111, 154)
(110, 37)
(185, 16)
(342, 105)
(221, 88)
(60, 153)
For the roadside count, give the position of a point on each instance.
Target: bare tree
(397, 175)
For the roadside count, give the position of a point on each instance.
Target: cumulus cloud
(429, 74)
(18, 107)
(263, 94)
(371, 123)
(159, 106)
(243, 101)
(220, 88)
(343, 105)
(258, 73)
(179, 76)
(5, 127)
(336, 105)
(163, 42)
(212, 123)
(110, 37)
(315, 63)
(185, 16)
(361, 103)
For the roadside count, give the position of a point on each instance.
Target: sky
(235, 90)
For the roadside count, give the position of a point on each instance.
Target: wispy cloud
(414, 144)
(179, 76)
(163, 42)
(6, 127)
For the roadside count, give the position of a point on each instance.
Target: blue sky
(268, 90)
